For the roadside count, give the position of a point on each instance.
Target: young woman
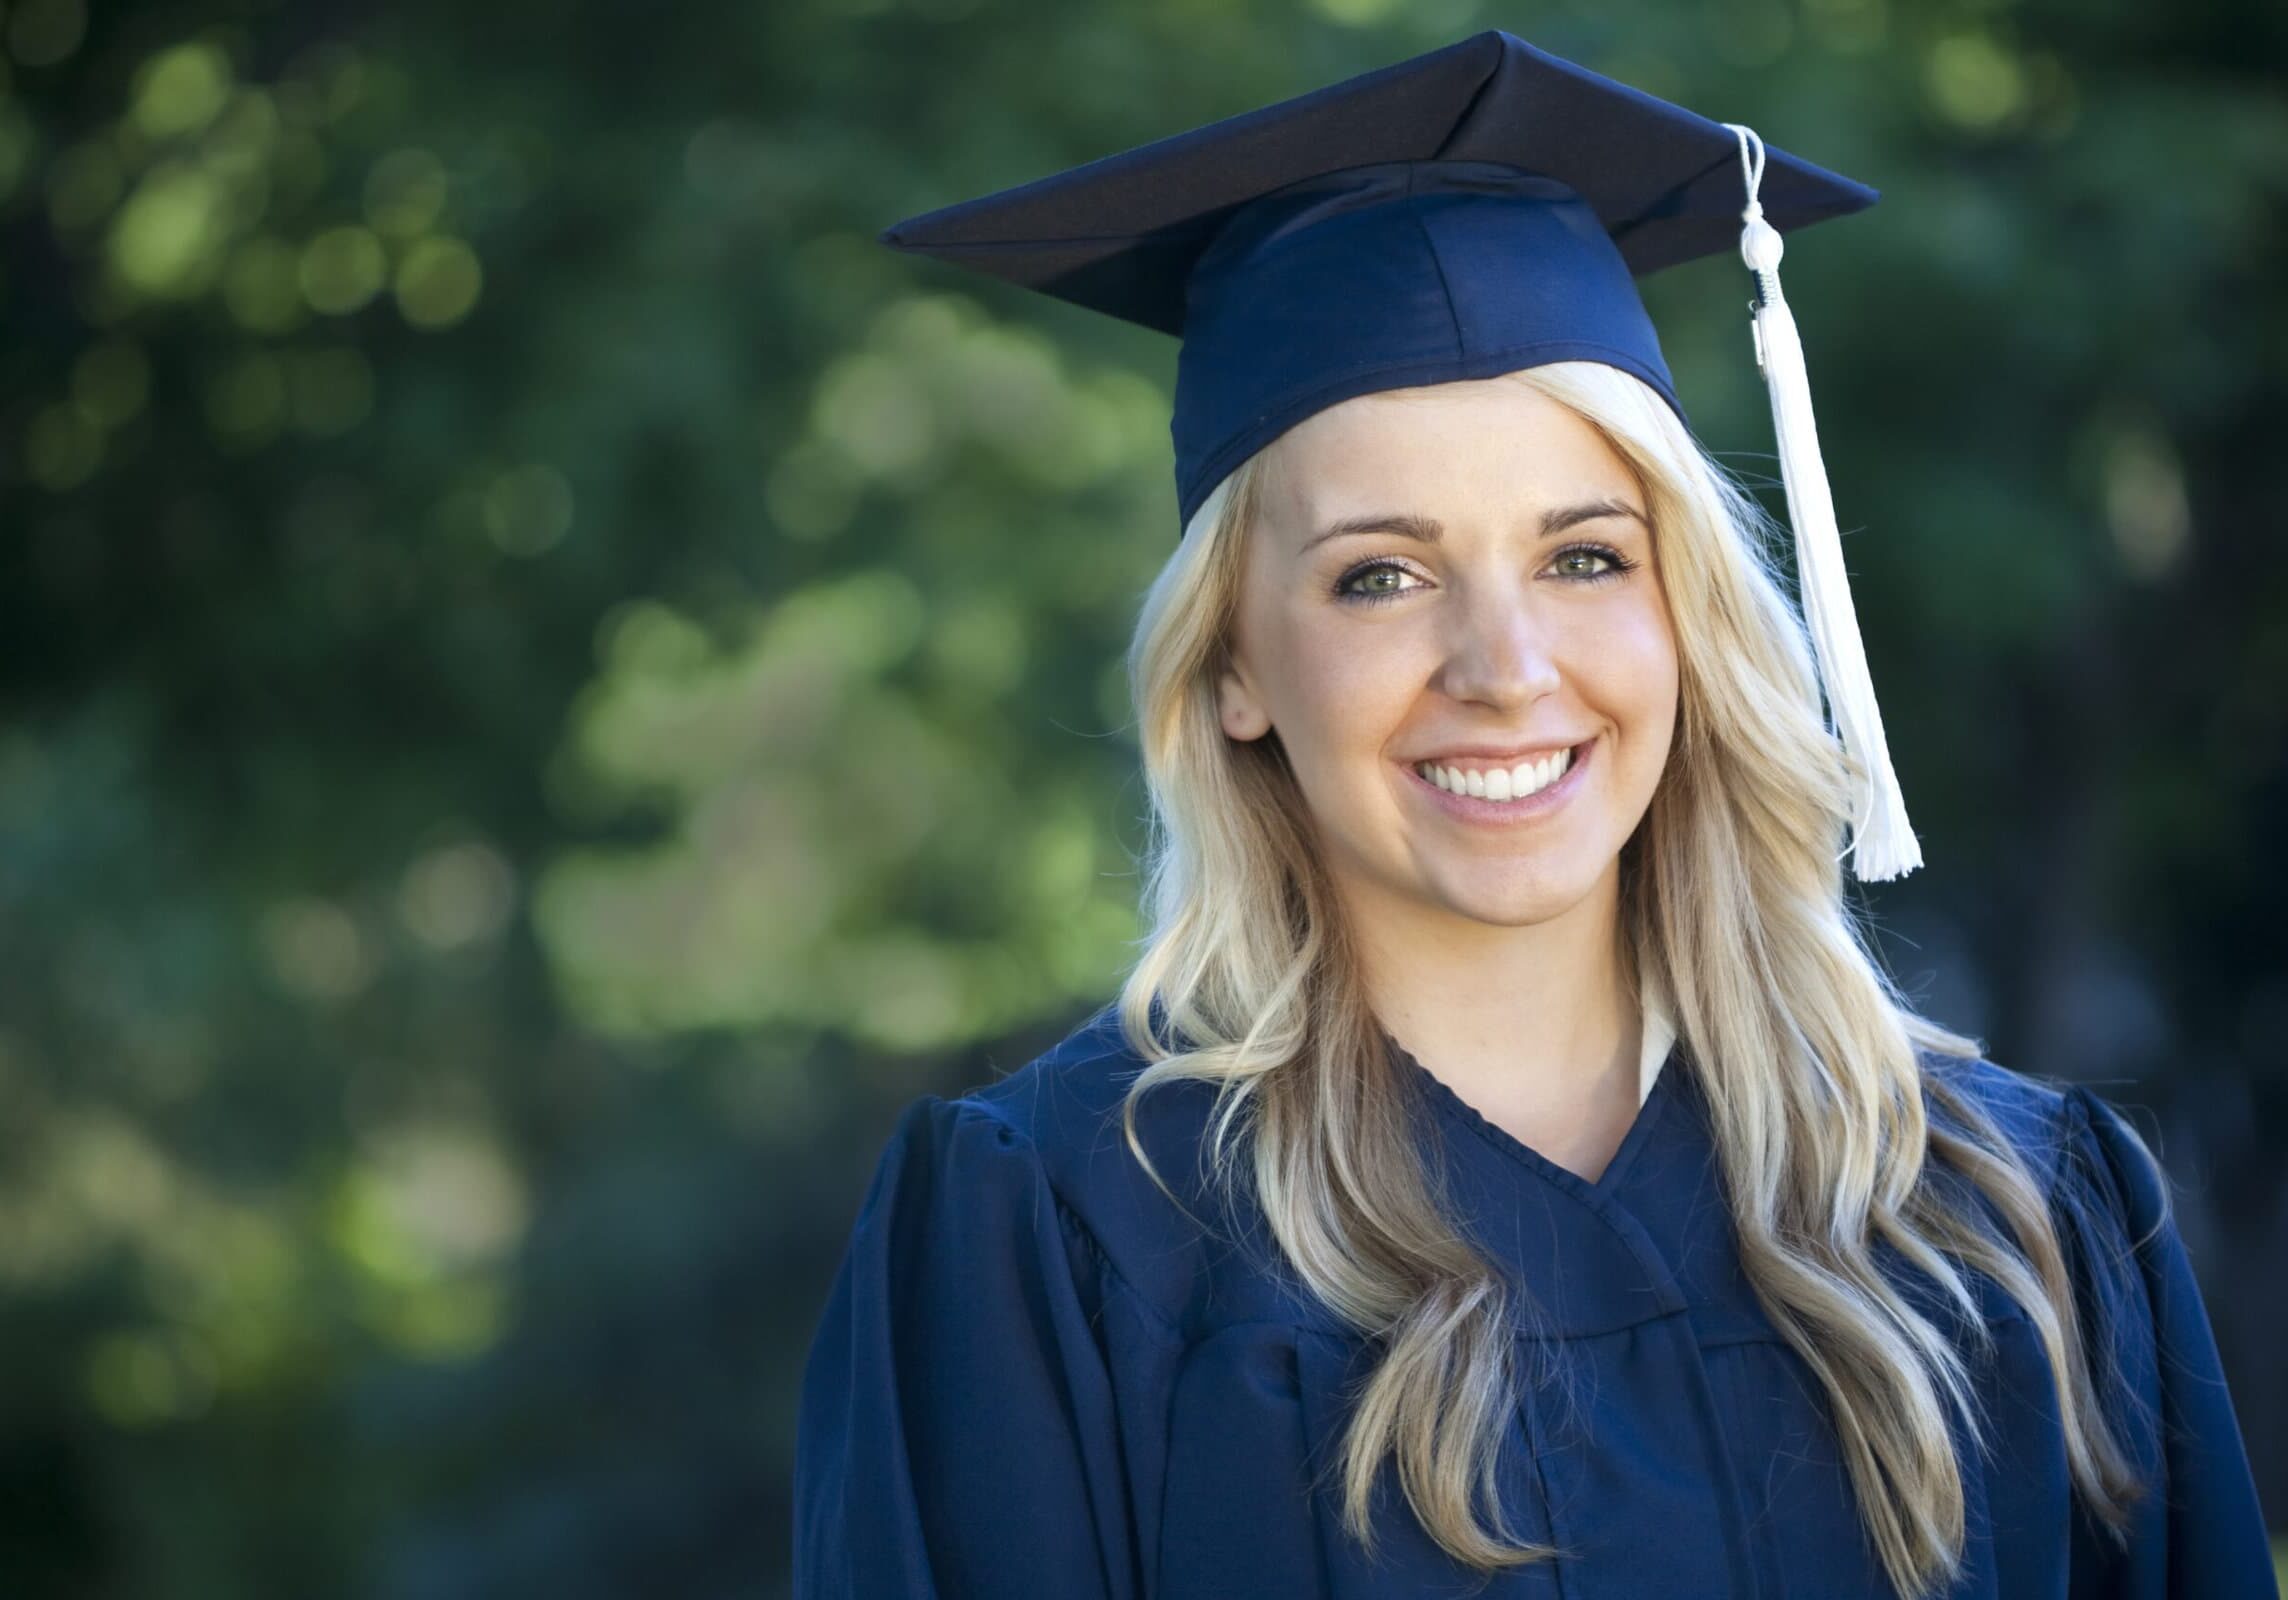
(1506, 1170)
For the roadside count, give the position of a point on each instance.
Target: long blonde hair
(1733, 905)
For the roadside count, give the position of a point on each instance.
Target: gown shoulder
(1196, 1254)
(1013, 1289)
(2037, 1117)
(2194, 1526)
(971, 1304)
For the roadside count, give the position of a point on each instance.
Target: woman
(1506, 1169)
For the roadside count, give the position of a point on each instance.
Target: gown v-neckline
(1508, 1145)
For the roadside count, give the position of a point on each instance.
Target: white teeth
(1500, 783)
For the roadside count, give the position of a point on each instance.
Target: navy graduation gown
(1036, 1379)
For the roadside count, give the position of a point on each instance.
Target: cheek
(1639, 650)
(1352, 686)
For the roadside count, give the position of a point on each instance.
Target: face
(1459, 576)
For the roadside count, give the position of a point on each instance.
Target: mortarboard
(1475, 210)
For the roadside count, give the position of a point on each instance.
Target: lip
(1500, 758)
(1506, 813)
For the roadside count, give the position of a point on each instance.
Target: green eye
(1350, 587)
(1616, 564)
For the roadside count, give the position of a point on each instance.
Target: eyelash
(1617, 566)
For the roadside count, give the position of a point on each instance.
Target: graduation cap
(1475, 210)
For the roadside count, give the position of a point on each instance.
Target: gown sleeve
(956, 1435)
(2197, 1530)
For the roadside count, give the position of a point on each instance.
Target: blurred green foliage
(551, 683)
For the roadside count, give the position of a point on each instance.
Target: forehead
(1483, 447)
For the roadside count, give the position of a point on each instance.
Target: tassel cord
(1883, 843)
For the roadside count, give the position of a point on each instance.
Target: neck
(1542, 1020)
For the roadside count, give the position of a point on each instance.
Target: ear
(1240, 709)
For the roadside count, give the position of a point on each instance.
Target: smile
(1500, 794)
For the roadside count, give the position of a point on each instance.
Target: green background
(551, 684)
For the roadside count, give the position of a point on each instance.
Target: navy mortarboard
(1476, 210)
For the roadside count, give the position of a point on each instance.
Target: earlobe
(1237, 708)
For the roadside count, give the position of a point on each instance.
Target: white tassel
(1883, 845)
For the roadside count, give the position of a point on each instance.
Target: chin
(1516, 897)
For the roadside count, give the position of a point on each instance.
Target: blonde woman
(1506, 1170)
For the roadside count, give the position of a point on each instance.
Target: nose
(1501, 653)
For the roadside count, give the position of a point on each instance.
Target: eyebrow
(1429, 530)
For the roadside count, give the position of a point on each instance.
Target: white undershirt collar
(1659, 1039)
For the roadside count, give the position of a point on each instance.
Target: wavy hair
(1732, 904)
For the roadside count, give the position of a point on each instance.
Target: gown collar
(1589, 1257)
